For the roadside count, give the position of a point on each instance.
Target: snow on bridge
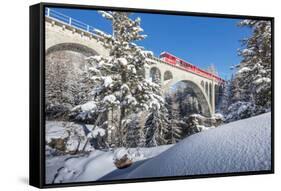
(66, 33)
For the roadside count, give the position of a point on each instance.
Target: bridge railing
(69, 20)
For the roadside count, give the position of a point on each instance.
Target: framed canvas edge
(35, 98)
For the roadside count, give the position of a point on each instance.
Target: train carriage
(180, 63)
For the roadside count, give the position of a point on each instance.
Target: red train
(175, 61)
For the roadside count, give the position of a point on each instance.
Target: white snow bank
(94, 166)
(72, 132)
(55, 130)
(239, 146)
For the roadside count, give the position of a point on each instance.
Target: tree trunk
(96, 123)
(122, 113)
(77, 149)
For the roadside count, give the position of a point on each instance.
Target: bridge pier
(213, 98)
(205, 87)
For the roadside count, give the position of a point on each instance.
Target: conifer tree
(156, 127)
(175, 130)
(254, 71)
(120, 77)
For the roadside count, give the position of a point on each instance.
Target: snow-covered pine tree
(175, 130)
(156, 127)
(235, 91)
(180, 99)
(225, 100)
(142, 138)
(231, 94)
(193, 125)
(58, 97)
(254, 71)
(187, 101)
(65, 85)
(133, 131)
(85, 109)
(82, 94)
(236, 106)
(120, 77)
(250, 89)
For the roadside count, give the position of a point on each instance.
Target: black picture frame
(37, 96)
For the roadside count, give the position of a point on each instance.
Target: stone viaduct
(65, 33)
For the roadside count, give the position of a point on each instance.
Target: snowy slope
(85, 168)
(243, 145)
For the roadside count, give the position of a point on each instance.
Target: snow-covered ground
(62, 130)
(239, 146)
(93, 166)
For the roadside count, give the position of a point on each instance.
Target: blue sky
(199, 40)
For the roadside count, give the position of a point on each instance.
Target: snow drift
(243, 145)
(62, 169)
